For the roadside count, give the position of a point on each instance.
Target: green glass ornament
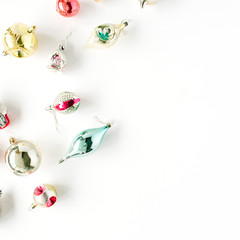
(86, 142)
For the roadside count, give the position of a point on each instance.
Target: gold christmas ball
(20, 40)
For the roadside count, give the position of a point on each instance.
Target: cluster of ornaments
(22, 156)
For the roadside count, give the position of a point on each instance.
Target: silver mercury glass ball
(66, 102)
(22, 157)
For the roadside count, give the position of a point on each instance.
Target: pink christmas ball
(68, 8)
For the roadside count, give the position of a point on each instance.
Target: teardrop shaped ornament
(86, 142)
(106, 35)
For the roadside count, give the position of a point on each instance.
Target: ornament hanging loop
(53, 111)
(62, 46)
(97, 119)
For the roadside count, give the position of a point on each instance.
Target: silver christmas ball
(22, 157)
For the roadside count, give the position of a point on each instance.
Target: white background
(169, 167)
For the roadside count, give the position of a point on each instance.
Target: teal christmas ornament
(86, 142)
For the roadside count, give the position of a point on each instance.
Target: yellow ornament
(20, 40)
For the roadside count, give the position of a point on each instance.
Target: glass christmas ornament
(20, 40)
(22, 157)
(68, 8)
(44, 196)
(4, 120)
(86, 142)
(147, 2)
(58, 59)
(66, 103)
(106, 35)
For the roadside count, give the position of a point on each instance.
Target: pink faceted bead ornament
(68, 8)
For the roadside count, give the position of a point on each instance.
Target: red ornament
(68, 8)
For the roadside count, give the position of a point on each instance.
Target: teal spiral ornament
(86, 142)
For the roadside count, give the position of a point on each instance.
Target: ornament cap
(12, 140)
(33, 206)
(31, 29)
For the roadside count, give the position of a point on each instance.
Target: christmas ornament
(44, 196)
(4, 121)
(20, 40)
(66, 103)
(86, 142)
(148, 2)
(58, 59)
(22, 157)
(105, 35)
(68, 8)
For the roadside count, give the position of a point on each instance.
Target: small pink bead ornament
(44, 196)
(68, 8)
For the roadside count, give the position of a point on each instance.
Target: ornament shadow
(7, 207)
(46, 43)
(14, 113)
(62, 191)
(73, 59)
(85, 9)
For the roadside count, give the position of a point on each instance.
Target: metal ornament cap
(147, 2)
(20, 40)
(44, 195)
(22, 157)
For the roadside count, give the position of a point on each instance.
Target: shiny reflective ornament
(147, 2)
(58, 59)
(44, 196)
(68, 8)
(106, 35)
(86, 142)
(22, 157)
(66, 103)
(20, 40)
(4, 120)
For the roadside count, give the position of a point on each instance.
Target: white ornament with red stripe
(44, 196)
(66, 103)
(4, 120)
